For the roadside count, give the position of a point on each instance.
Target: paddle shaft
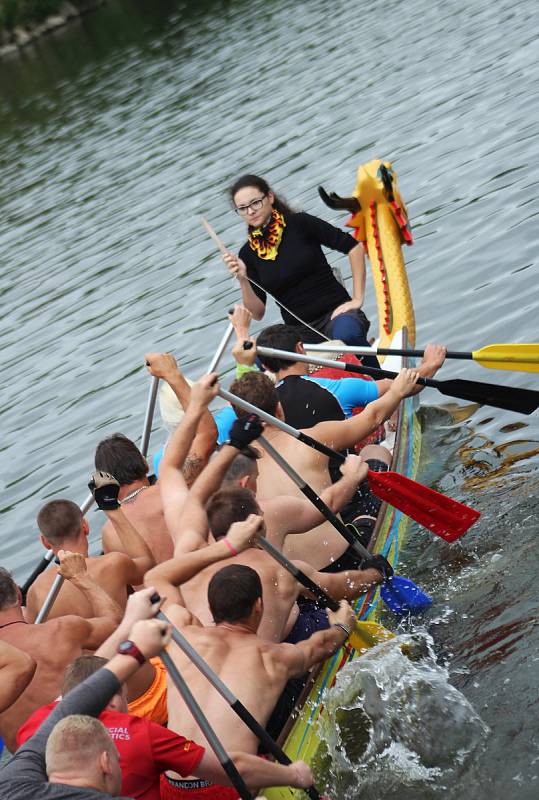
(514, 353)
(148, 419)
(317, 501)
(221, 348)
(49, 600)
(381, 351)
(235, 704)
(213, 740)
(322, 596)
(524, 401)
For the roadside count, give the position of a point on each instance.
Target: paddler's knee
(377, 453)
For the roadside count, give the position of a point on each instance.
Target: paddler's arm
(290, 515)
(193, 522)
(163, 365)
(168, 577)
(174, 491)
(139, 606)
(300, 657)
(343, 434)
(433, 358)
(135, 557)
(16, 671)
(346, 585)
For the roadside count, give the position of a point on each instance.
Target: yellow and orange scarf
(265, 241)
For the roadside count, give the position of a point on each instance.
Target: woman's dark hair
(263, 186)
(232, 593)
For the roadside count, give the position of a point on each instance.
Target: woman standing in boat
(283, 254)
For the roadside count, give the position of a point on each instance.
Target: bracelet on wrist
(230, 546)
(343, 628)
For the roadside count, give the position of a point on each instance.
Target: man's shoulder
(108, 562)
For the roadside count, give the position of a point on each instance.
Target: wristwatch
(129, 648)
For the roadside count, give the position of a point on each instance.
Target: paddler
(324, 548)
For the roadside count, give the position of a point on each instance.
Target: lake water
(118, 133)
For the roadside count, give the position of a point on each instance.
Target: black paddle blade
(524, 401)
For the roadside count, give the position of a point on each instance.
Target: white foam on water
(394, 724)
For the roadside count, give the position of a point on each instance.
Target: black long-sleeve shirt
(300, 277)
(25, 778)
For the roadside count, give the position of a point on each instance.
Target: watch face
(129, 648)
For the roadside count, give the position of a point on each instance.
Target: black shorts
(364, 502)
(351, 559)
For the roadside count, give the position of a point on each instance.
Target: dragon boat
(380, 220)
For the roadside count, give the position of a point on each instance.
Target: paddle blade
(516, 357)
(440, 514)
(510, 398)
(402, 596)
(368, 634)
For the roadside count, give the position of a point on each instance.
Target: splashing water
(395, 725)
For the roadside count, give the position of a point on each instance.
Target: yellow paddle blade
(517, 357)
(368, 634)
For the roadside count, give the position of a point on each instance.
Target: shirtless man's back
(280, 594)
(54, 644)
(145, 512)
(255, 670)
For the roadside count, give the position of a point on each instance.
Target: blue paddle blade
(402, 596)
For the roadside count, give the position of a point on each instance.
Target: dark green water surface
(118, 133)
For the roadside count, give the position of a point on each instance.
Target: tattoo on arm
(192, 468)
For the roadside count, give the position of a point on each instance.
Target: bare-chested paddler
(53, 644)
(193, 518)
(323, 547)
(254, 669)
(141, 500)
(63, 527)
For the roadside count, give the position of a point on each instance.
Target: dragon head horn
(333, 200)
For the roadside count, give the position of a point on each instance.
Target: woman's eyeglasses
(254, 205)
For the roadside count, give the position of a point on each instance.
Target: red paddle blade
(440, 514)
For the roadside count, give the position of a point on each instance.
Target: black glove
(105, 490)
(380, 563)
(244, 431)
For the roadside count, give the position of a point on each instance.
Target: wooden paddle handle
(216, 238)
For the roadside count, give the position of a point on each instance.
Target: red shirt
(146, 749)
